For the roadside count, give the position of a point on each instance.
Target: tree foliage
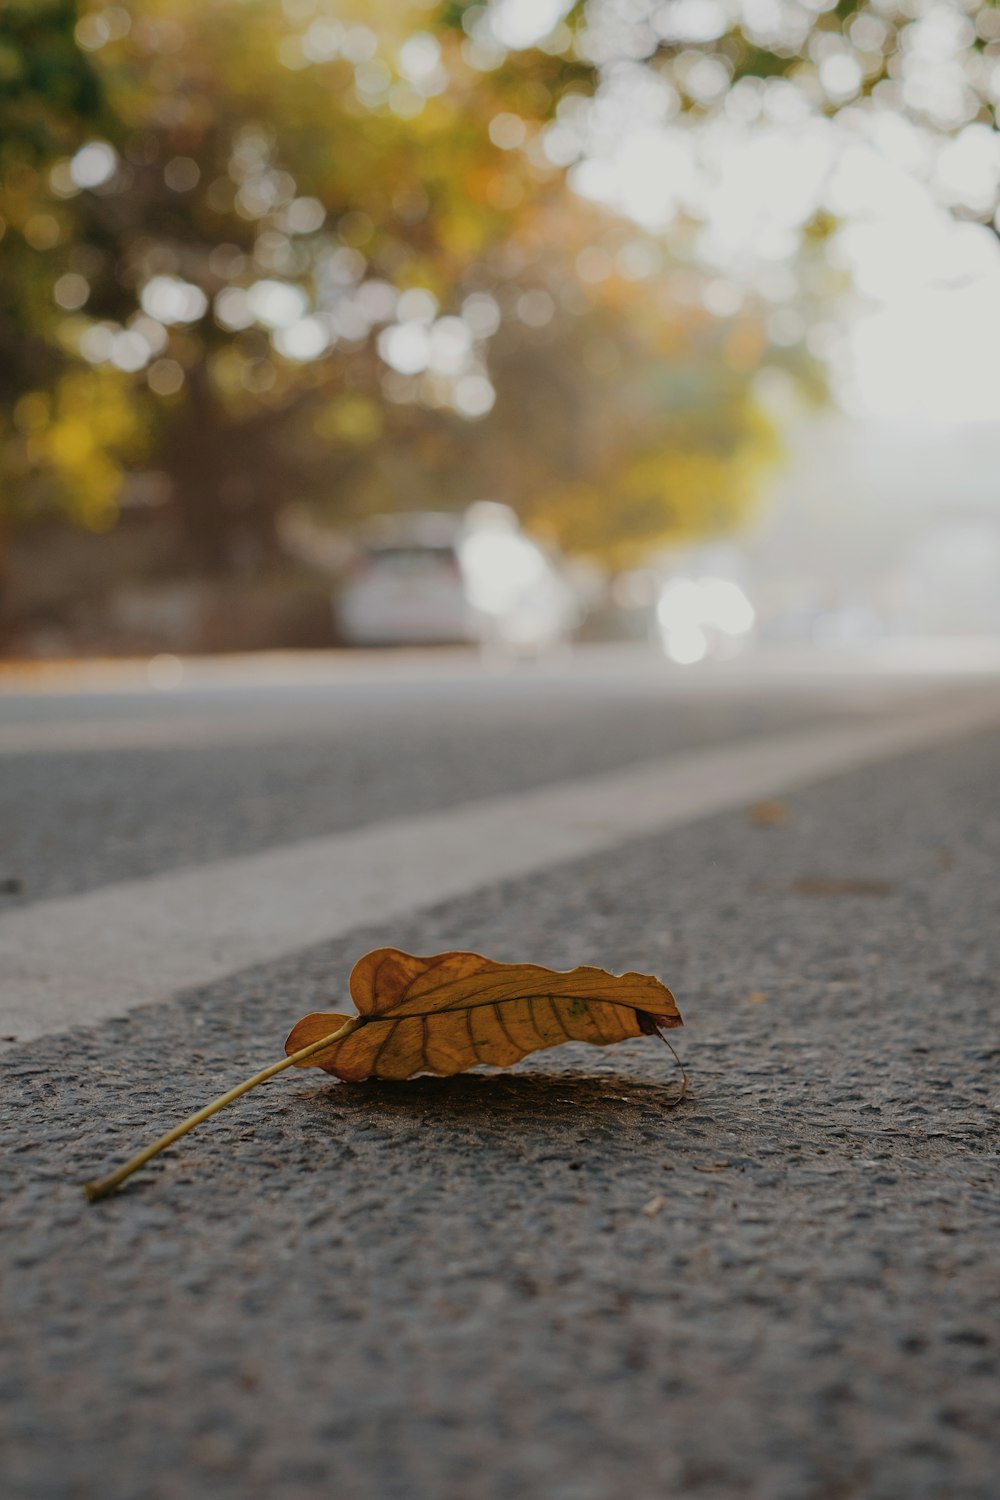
(326, 253)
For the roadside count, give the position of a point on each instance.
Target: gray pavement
(178, 780)
(547, 1284)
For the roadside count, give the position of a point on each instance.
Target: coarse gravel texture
(71, 821)
(546, 1284)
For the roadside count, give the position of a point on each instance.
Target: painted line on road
(79, 960)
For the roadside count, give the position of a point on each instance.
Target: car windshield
(412, 559)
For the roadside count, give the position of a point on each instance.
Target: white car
(432, 578)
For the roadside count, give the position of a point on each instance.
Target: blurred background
(375, 322)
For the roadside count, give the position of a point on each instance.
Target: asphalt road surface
(545, 1284)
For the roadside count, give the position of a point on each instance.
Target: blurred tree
(328, 253)
(48, 96)
(61, 427)
(295, 180)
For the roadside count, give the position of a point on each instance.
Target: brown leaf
(821, 885)
(442, 1015)
(768, 813)
(448, 1012)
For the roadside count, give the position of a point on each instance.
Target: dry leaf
(452, 1011)
(821, 885)
(445, 1014)
(769, 813)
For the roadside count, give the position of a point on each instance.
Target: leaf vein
(503, 1025)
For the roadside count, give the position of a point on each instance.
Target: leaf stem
(685, 1080)
(105, 1185)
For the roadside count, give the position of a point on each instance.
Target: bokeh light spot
(93, 165)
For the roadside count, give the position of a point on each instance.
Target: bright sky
(921, 340)
(929, 354)
(928, 345)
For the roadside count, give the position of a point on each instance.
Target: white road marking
(79, 960)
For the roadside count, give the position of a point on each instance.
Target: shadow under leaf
(495, 1099)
